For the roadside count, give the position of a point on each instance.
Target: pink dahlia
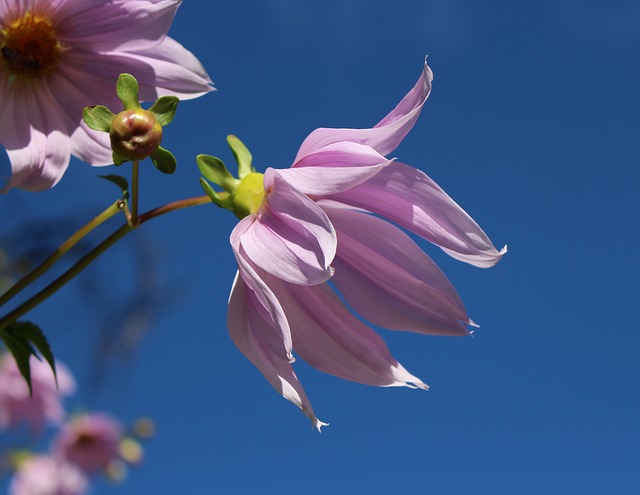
(44, 406)
(59, 56)
(48, 475)
(332, 215)
(90, 441)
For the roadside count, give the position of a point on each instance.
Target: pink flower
(58, 56)
(315, 222)
(44, 406)
(90, 441)
(48, 475)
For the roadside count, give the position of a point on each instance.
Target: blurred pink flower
(58, 56)
(316, 222)
(44, 406)
(90, 441)
(48, 475)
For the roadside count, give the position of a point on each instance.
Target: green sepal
(242, 155)
(21, 337)
(119, 181)
(222, 199)
(98, 118)
(164, 160)
(127, 90)
(215, 171)
(164, 109)
(117, 159)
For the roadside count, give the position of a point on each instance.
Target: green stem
(134, 192)
(65, 277)
(61, 251)
(85, 261)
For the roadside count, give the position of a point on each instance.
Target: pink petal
(268, 315)
(91, 146)
(47, 474)
(406, 196)
(386, 278)
(291, 237)
(35, 134)
(278, 372)
(175, 71)
(387, 134)
(77, 88)
(330, 338)
(116, 25)
(334, 168)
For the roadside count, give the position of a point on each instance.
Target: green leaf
(118, 180)
(118, 160)
(215, 171)
(20, 338)
(98, 118)
(164, 109)
(242, 155)
(222, 199)
(127, 90)
(164, 160)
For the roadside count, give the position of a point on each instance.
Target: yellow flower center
(30, 47)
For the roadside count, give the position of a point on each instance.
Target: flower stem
(85, 261)
(61, 251)
(134, 192)
(176, 205)
(65, 277)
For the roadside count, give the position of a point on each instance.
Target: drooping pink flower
(44, 406)
(59, 56)
(48, 475)
(90, 441)
(329, 216)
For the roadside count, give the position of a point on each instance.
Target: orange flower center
(30, 47)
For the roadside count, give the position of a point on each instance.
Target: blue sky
(532, 127)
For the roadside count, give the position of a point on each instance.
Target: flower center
(30, 47)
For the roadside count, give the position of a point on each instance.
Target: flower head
(90, 441)
(44, 406)
(48, 475)
(332, 215)
(59, 56)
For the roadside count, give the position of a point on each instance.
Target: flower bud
(135, 134)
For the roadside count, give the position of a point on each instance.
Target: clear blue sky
(532, 127)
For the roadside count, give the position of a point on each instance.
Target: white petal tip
(318, 424)
(503, 250)
(472, 323)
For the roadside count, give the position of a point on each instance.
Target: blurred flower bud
(135, 134)
(144, 428)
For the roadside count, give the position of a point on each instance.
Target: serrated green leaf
(164, 109)
(222, 199)
(164, 160)
(215, 171)
(117, 159)
(118, 180)
(242, 155)
(127, 91)
(19, 337)
(98, 118)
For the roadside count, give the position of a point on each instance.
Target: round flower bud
(135, 134)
